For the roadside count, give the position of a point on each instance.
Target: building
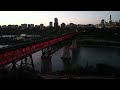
(72, 26)
(80, 26)
(89, 26)
(102, 23)
(50, 24)
(41, 26)
(23, 26)
(63, 25)
(30, 26)
(55, 23)
(36, 25)
(9, 26)
(119, 22)
(13, 26)
(110, 20)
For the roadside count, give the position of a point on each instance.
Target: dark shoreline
(98, 43)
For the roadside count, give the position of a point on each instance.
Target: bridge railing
(9, 54)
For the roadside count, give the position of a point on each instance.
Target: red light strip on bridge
(17, 54)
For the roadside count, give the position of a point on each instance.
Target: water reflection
(46, 65)
(67, 64)
(82, 57)
(75, 54)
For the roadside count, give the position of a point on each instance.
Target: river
(81, 57)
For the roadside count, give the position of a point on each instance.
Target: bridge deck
(9, 54)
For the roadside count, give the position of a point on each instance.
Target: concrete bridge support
(46, 65)
(74, 44)
(66, 52)
(66, 59)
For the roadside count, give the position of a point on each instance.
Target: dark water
(81, 57)
(93, 56)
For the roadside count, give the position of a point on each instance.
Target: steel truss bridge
(12, 54)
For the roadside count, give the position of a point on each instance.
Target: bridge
(20, 52)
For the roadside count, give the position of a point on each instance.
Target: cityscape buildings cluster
(109, 23)
(103, 23)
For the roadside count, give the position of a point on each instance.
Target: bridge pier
(74, 44)
(46, 64)
(66, 52)
(66, 59)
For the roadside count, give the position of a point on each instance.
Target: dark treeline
(101, 33)
(33, 31)
(13, 31)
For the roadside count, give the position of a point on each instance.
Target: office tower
(102, 23)
(55, 23)
(110, 17)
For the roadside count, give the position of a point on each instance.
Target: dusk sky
(44, 17)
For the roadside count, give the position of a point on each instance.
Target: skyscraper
(102, 23)
(110, 21)
(110, 17)
(55, 23)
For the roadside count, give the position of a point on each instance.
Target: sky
(44, 17)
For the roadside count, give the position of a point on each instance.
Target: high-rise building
(55, 23)
(102, 23)
(110, 20)
(50, 24)
(110, 17)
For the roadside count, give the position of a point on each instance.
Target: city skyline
(44, 17)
